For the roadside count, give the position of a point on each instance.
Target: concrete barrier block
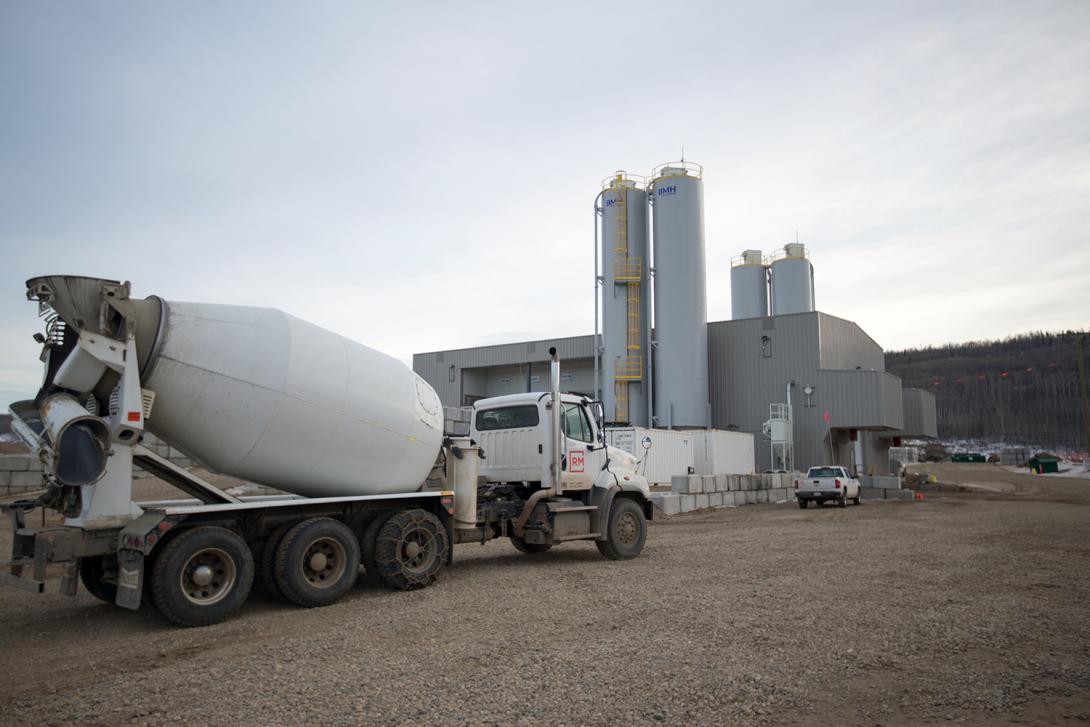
(715, 499)
(5, 479)
(887, 482)
(696, 484)
(872, 493)
(14, 462)
(722, 483)
(34, 465)
(668, 502)
(688, 502)
(745, 482)
(762, 497)
(707, 483)
(899, 494)
(702, 501)
(26, 480)
(751, 497)
(679, 484)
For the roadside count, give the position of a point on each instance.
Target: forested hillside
(1023, 389)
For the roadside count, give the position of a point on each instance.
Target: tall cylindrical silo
(749, 286)
(792, 281)
(625, 301)
(681, 307)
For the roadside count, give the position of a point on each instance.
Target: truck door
(583, 457)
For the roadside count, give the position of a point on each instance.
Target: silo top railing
(740, 260)
(618, 178)
(678, 169)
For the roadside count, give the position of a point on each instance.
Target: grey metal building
(750, 364)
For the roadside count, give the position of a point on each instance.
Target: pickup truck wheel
(858, 499)
(317, 562)
(843, 501)
(202, 576)
(266, 571)
(626, 531)
(803, 503)
(91, 573)
(410, 549)
(529, 548)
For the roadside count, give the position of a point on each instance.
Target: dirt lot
(971, 608)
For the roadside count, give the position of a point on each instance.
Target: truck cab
(598, 494)
(513, 431)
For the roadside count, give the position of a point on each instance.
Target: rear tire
(367, 550)
(843, 501)
(626, 531)
(411, 547)
(317, 562)
(202, 576)
(529, 548)
(802, 504)
(266, 571)
(91, 573)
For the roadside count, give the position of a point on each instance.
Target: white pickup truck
(827, 483)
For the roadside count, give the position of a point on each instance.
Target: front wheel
(202, 576)
(843, 501)
(626, 531)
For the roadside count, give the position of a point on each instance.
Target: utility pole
(1082, 390)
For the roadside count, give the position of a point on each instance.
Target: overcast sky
(420, 176)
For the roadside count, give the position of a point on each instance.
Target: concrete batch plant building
(812, 388)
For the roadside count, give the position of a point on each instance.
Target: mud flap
(130, 578)
(133, 543)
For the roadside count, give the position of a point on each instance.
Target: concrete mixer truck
(352, 436)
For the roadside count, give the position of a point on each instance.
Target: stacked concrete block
(688, 503)
(707, 483)
(702, 501)
(751, 497)
(715, 499)
(668, 502)
(872, 493)
(898, 494)
(456, 421)
(20, 473)
(762, 497)
(687, 484)
(722, 483)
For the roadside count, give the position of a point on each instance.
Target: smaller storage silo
(792, 280)
(749, 285)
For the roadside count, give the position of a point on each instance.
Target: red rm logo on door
(576, 461)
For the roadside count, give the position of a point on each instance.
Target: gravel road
(966, 608)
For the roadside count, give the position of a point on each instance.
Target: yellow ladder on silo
(627, 270)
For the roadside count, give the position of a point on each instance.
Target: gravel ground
(966, 608)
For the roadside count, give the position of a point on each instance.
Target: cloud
(421, 177)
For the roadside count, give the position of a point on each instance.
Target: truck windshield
(508, 417)
(824, 472)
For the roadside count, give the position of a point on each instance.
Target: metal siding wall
(919, 413)
(743, 381)
(434, 366)
(860, 399)
(844, 345)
